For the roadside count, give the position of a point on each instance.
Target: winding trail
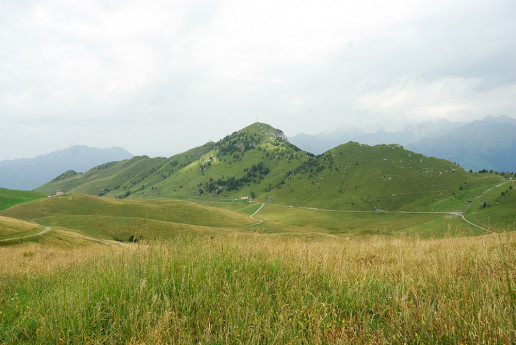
(47, 229)
(478, 226)
(490, 189)
(478, 197)
(454, 213)
(260, 221)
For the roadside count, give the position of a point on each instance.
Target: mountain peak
(29, 173)
(262, 129)
(499, 120)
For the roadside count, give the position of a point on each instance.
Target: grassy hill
(259, 162)
(120, 219)
(383, 177)
(496, 208)
(13, 228)
(9, 198)
(223, 169)
(103, 178)
(361, 225)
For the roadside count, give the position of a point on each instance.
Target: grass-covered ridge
(120, 219)
(15, 228)
(9, 198)
(103, 178)
(260, 163)
(496, 208)
(259, 289)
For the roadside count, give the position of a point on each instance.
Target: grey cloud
(162, 77)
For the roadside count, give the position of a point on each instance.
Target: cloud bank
(159, 77)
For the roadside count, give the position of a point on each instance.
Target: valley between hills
(252, 240)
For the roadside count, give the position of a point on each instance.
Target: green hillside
(260, 163)
(103, 178)
(13, 228)
(9, 198)
(256, 156)
(121, 179)
(247, 163)
(383, 177)
(495, 209)
(360, 225)
(120, 219)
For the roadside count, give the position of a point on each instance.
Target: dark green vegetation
(9, 198)
(258, 162)
(386, 181)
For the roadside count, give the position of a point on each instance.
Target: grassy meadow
(207, 273)
(9, 198)
(10, 228)
(122, 220)
(357, 225)
(258, 162)
(496, 208)
(386, 259)
(262, 289)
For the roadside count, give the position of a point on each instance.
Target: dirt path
(47, 229)
(454, 213)
(478, 226)
(44, 231)
(260, 221)
(99, 240)
(490, 189)
(476, 198)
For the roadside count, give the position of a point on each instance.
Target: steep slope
(245, 163)
(121, 179)
(29, 173)
(496, 208)
(103, 178)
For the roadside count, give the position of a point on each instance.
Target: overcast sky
(160, 77)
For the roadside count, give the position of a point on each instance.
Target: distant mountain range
(489, 143)
(30, 173)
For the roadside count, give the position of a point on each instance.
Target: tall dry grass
(260, 289)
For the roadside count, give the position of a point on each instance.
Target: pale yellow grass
(274, 289)
(57, 249)
(10, 227)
